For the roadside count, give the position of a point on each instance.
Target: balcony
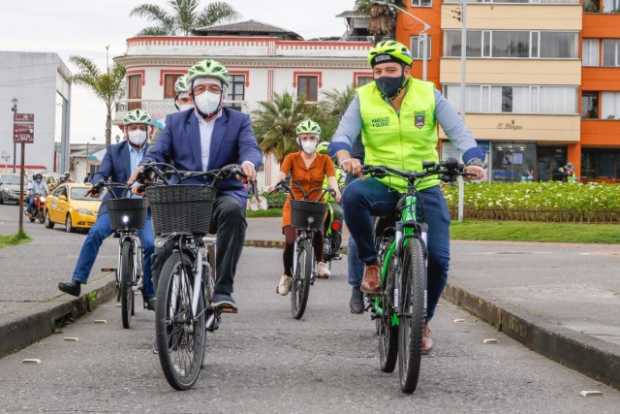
(601, 6)
(159, 108)
(600, 133)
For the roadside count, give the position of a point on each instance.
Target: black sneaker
(224, 302)
(72, 288)
(356, 304)
(149, 303)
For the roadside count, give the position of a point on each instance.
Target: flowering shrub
(547, 201)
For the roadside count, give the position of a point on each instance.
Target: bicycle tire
(300, 287)
(192, 333)
(127, 296)
(387, 332)
(413, 309)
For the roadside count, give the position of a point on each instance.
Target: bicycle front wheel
(180, 333)
(300, 288)
(126, 288)
(413, 315)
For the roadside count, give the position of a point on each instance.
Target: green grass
(272, 212)
(536, 232)
(13, 240)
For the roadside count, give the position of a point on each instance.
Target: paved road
(262, 361)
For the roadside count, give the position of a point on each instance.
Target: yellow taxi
(69, 205)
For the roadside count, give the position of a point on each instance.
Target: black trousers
(228, 222)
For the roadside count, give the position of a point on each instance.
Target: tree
(275, 123)
(185, 16)
(106, 85)
(333, 107)
(382, 18)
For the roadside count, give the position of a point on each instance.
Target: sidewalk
(560, 300)
(31, 306)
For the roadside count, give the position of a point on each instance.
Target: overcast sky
(70, 27)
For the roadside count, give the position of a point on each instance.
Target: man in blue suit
(119, 162)
(208, 137)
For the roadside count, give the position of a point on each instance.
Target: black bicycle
(185, 286)
(400, 309)
(307, 218)
(127, 216)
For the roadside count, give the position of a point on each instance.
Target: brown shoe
(371, 284)
(427, 342)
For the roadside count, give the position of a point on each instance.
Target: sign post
(23, 133)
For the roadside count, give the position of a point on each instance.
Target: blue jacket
(115, 167)
(233, 142)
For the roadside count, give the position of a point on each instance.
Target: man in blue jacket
(208, 137)
(118, 163)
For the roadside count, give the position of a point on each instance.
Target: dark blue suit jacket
(115, 167)
(233, 142)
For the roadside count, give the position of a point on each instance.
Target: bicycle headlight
(310, 220)
(125, 219)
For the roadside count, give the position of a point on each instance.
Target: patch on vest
(420, 119)
(380, 122)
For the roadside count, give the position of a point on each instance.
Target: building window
(591, 52)
(558, 45)
(134, 88)
(610, 105)
(515, 99)
(169, 81)
(589, 105)
(513, 161)
(422, 3)
(611, 6)
(512, 44)
(362, 80)
(236, 90)
(599, 163)
(308, 87)
(417, 47)
(611, 50)
(592, 6)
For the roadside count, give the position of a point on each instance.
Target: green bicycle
(399, 310)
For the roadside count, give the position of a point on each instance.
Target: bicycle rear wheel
(180, 335)
(300, 288)
(413, 309)
(126, 288)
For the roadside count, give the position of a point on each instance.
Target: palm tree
(334, 106)
(275, 122)
(185, 16)
(382, 19)
(107, 85)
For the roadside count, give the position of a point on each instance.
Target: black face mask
(390, 86)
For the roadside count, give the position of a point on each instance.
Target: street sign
(23, 133)
(23, 128)
(24, 118)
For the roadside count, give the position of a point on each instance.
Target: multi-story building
(533, 95)
(263, 61)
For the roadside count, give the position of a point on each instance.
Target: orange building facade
(542, 81)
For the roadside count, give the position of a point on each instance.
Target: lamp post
(463, 18)
(14, 102)
(423, 34)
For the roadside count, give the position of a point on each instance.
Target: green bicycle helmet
(308, 127)
(389, 50)
(137, 116)
(323, 147)
(181, 85)
(208, 68)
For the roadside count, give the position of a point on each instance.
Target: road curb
(23, 332)
(590, 356)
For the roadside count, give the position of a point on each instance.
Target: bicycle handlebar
(448, 170)
(165, 172)
(283, 187)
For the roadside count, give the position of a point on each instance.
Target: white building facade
(40, 82)
(260, 67)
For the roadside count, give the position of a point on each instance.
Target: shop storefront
(601, 164)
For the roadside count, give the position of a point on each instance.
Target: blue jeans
(365, 198)
(355, 267)
(101, 231)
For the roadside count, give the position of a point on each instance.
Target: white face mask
(208, 102)
(309, 147)
(137, 137)
(185, 107)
